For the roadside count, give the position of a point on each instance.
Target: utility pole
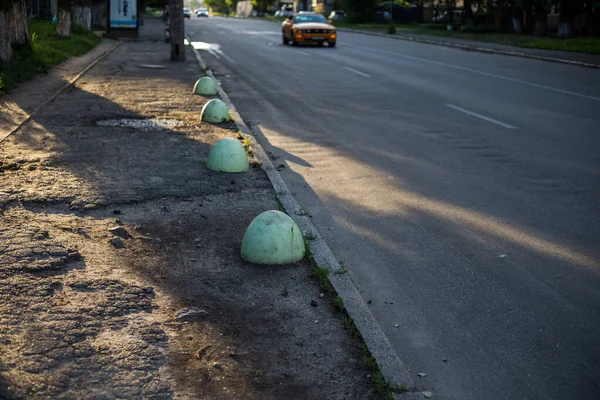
(176, 28)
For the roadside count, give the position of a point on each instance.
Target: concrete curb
(473, 48)
(380, 347)
(61, 90)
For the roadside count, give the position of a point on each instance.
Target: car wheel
(331, 44)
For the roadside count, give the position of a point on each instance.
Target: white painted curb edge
(378, 344)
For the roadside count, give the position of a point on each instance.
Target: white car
(286, 11)
(202, 12)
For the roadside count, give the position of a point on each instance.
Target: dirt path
(106, 232)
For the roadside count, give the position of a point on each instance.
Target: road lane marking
(491, 75)
(260, 33)
(303, 52)
(483, 117)
(357, 72)
(221, 53)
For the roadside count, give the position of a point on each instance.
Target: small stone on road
(119, 231)
(117, 243)
(190, 314)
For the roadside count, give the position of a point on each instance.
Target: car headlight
(332, 31)
(299, 31)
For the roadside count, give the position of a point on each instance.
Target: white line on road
(585, 96)
(483, 117)
(303, 52)
(219, 51)
(214, 53)
(357, 72)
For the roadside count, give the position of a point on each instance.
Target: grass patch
(382, 27)
(338, 303)
(152, 12)
(220, 14)
(46, 49)
(320, 274)
(575, 45)
(379, 384)
(484, 34)
(310, 236)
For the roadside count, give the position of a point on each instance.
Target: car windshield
(203, 9)
(300, 19)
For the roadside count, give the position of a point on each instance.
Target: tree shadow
(183, 223)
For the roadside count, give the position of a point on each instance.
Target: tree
(450, 7)
(359, 10)
(468, 12)
(82, 14)
(568, 9)
(217, 5)
(261, 5)
(63, 26)
(13, 27)
(541, 8)
(231, 5)
(6, 52)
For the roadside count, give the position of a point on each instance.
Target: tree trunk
(17, 23)
(176, 30)
(517, 19)
(6, 52)
(468, 12)
(82, 16)
(498, 22)
(63, 25)
(541, 28)
(99, 15)
(566, 19)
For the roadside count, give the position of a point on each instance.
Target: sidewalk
(106, 232)
(587, 60)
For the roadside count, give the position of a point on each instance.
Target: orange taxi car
(308, 27)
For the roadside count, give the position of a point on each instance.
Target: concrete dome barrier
(215, 111)
(228, 155)
(205, 86)
(273, 238)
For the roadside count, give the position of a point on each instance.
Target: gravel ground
(107, 231)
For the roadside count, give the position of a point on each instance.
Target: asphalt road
(461, 190)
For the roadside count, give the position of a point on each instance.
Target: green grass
(152, 12)
(380, 27)
(322, 276)
(310, 236)
(577, 45)
(220, 14)
(46, 50)
(483, 34)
